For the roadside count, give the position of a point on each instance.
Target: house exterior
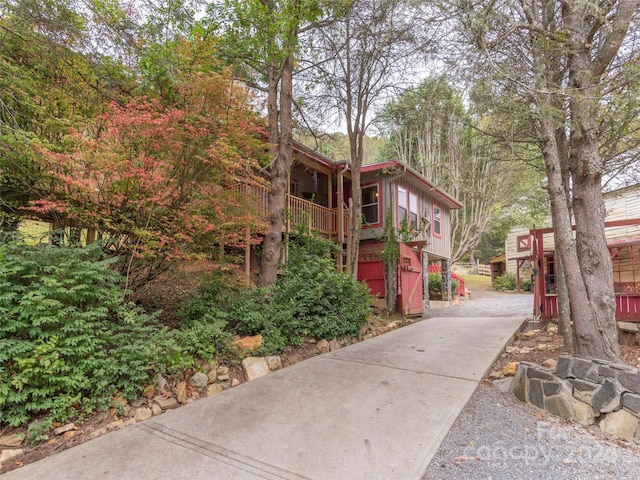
(532, 252)
(318, 197)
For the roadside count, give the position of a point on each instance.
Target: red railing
(299, 211)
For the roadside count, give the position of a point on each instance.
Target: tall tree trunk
(596, 333)
(279, 169)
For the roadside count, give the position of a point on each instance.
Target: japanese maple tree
(153, 181)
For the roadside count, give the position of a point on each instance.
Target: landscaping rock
(155, 409)
(518, 384)
(235, 382)
(248, 344)
(274, 362)
(583, 414)
(66, 436)
(212, 375)
(213, 389)
(118, 402)
(223, 373)
(149, 391)
(8, 455)
(255, 367)
(334, 345)
(199, 380)
(620, 423)
(115, 425)
(166, 403)
(143, 414)
(98, 432)
(563, 366)
(549, 363)
(181, 392)
(607, 398)
(510, 369)
(323, 346)
(631, 401)
(630, 380)
(11, 441)
(552, 329)
(535, 393)
(65, 428)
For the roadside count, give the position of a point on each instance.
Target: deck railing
(299, 211)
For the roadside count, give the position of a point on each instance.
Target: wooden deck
(299, 211)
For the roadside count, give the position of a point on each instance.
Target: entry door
(410, 282)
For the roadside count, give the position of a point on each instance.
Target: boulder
(620, 423)
(199, 380)
(323, 346)
(274, 362)
(248, 344)
(255, 367)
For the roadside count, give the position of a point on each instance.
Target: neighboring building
(532, 251)
(319, 193)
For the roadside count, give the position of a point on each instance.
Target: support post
(446, 279)
(247, 253)
(425, 283)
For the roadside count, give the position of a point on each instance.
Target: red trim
(448, 199)
(433, 221)
(379, 184)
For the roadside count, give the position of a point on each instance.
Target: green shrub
(435, 284)
(506, 281)
(312, 299)
(67, 341)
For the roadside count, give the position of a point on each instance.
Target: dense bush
(68, 342)
(309, 299)
(435, 284)
(312, 300)
(506, 281)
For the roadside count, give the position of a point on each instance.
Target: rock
(248, 344)
(563, 366)
(552, 329)
(495, 375)
(143, 414)
(530, 334)
(607, 398)
(519, 336)
(149, 391)
(235, 382)
(539, 373)
(212, 375)
(323, 346)
(518, 384)
(510, 369)
(118, 402)
(560, 405)
(66, 436)
(11, 440)
(256, 367)
(161, 382)
(136, 404)
(334, 345)
(99, 432)
(274, 362)
(631, 381)
(583, 414)
(155, 409)
(65, 428)
(620, 423)
(631, 401)
(223, 373)
(199, 380)
(181, 392)
(545, 339)
(129, 422)
(166, 403)
(7, 455)
(213, 389)
(541, 347)
(535, 393)
(511, 349)
(116, 425)
(549, 363)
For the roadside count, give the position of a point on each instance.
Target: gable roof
(446, 199)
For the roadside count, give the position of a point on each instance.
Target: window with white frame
(407, 207)
(437, 227)
(371, 204)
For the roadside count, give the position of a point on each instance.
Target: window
(371, 204)
(437, 229)
(524, 243)
(413, 211)
(407, 208)
(403, 204)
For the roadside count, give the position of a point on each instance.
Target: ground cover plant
(70, 341)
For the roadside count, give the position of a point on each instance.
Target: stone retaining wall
(585, 391)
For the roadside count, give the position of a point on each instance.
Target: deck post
(425, 283)
(446, 279)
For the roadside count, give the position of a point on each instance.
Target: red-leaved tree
(153, 181)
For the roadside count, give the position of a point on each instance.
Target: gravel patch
(497, 437)
(489, 304)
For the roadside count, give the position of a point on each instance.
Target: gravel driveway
(497, 437)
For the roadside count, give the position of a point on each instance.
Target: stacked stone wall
(585, 391)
